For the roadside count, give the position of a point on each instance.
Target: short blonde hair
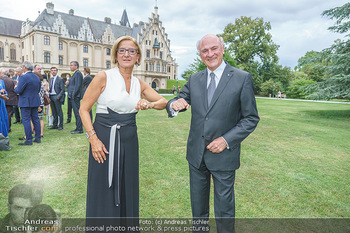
(116, 46)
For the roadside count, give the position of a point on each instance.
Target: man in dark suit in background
(57, 90)
(224, 113)
(11, 94)
(86, 82)
(19, 72)
(75, 94)
(28, 89)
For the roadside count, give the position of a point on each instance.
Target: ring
(144, 104)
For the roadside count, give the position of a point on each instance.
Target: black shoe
(67, 122)
(73, 130)
(15, 122)
(37, 141)
(22, 138)
(59, 128)
(25, 143)
(53, 127)
(77, 132)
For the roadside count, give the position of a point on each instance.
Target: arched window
(13, 52)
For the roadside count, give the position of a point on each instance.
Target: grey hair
(19, 68)
(200, 41)
(75, 63)
(4, 71)
(28, 65)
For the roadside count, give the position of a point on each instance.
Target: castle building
(57, 38)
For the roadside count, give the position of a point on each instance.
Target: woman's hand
(98, 149)
(144, 105)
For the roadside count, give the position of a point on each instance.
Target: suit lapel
(226, 75)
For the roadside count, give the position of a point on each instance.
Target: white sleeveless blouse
(115, 95)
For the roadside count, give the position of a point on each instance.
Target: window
(161, 55)
(86, 62)
(146, 67)
(1, 52)
(33, 40)
(108, 64)
(60, 60)
(158, 67)
(46, 57)
(148, 53)
(60, 45)
(85, 49)
(13, 52)
(151, 67)
(108, 51)
(46, 40)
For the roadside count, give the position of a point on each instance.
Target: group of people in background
(25, 88)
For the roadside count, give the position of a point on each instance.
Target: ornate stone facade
(56, 38)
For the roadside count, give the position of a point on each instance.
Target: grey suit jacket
(232, 114)
(59, 88)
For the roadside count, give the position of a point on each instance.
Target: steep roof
(10, 27)
(125, 20)
(74, 23)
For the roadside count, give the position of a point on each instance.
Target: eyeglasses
(131, 51)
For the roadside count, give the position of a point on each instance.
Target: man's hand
(179, 105)
(218, 145)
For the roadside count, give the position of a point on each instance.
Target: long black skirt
(101, 199)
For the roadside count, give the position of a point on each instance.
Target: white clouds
(297, 26)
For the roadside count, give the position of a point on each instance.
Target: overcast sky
(297, 25)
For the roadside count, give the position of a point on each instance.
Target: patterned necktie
(212, 87)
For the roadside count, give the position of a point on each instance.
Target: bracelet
(92, 133)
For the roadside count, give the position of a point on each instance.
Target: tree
(338, 85)
(270, 87)
(248, 39)
(295, 89)
(251, 43)
(313, 66)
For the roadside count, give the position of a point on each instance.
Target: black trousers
(17, 114)
(57, 112)
(224, 199)
(76, 105)
(69, 109)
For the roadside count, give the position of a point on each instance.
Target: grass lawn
(295, 164)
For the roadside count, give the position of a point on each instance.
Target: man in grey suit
(57, 90)
(75, 89)
(224, 113)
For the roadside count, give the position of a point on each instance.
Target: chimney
(71, 12)
(108, 20)
(49, 8)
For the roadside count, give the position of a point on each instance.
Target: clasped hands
(179, 105)
(144, 105)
